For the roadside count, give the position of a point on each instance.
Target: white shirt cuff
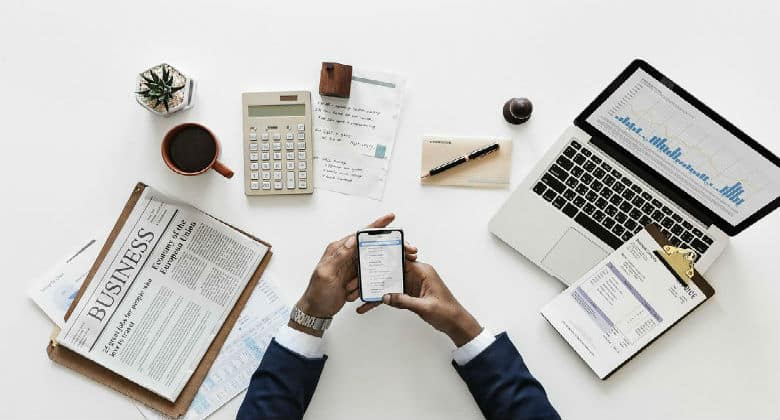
(298, 342)
(473, 348)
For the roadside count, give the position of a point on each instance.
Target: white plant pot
(181, 99)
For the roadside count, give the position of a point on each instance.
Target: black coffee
(192, 149)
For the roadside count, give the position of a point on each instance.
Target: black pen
(481, 152)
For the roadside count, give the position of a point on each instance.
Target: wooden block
(335, 79)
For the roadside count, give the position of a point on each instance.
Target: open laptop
(645, 151)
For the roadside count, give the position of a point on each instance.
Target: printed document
(621, 305)
(241, 354)
(54, 291)
(161, 294)
(354, 136)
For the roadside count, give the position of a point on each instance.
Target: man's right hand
(429, 297)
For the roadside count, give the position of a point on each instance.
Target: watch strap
(301, 318)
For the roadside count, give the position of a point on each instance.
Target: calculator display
(296, 110)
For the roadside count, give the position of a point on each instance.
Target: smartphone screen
(381, 260)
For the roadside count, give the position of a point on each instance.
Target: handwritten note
(354, 136)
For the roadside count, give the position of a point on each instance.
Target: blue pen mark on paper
(380, 151)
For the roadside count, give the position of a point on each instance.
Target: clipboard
(673, 265)
(71, 360)
(576, 307)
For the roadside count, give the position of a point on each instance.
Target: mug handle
(222, 169)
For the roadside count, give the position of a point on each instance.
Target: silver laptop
(645, 151)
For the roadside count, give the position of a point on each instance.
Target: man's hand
(334, 280)
(430, 298)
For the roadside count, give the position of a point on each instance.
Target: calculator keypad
(275, 148)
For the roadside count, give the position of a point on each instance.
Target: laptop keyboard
(612, 207)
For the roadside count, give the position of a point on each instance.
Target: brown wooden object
(335, 79)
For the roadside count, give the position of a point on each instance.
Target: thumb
(402, 301)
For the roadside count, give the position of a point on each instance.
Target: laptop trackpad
(573, 256)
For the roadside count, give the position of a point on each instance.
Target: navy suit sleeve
(282, 386)
(502, 385)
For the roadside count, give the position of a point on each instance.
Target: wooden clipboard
(86, 367)
(697, 279)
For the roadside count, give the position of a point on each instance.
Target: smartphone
(380, 263)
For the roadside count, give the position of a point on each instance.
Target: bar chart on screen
(687, 147)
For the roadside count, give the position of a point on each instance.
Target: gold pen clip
(681, 261)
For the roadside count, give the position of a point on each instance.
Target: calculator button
(302, 185)
(253, 135)
(266, 166)
(301, 127)
(265, 147)
(289, 136)
(301, 155)
(253, 156)
(254, 166)
(301, 145)
(277, 147)
(266, 176)
(301, 166)
(289, 145)
(254, 175)
(290, 166)
(265, 136)
(277, 155)
(266, 185)
(301, 136)
(254, 185)
(277, 175)
(253, 147)
(290, 155)
(277, 166)
(290, 180)
(265, 155)
(277, 136)
(278, 185)
(302, 175)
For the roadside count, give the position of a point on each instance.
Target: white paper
(621, 305)
(161, 294)
(54, 291)
(354, 137)
(241, 354)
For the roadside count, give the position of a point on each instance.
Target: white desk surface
(75, 142)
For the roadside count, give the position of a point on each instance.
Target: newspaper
(161, 294)
(241, 354)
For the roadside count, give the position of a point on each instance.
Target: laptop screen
(689, 148)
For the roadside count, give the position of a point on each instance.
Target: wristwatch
(318, 324)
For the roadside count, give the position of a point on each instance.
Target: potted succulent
(163, 90)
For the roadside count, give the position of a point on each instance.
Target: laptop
(644, 151)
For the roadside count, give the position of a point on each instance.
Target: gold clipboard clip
(680, 260)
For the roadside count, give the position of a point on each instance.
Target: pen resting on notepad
(476, 154)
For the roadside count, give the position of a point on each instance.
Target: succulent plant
(158, 89)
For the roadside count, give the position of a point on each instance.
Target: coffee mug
(192, 149)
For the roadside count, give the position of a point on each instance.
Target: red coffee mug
(192, 149)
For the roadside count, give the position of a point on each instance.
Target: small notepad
(491, 171)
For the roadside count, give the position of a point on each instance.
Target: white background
(75, 142)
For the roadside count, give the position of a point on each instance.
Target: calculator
(277, 143)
